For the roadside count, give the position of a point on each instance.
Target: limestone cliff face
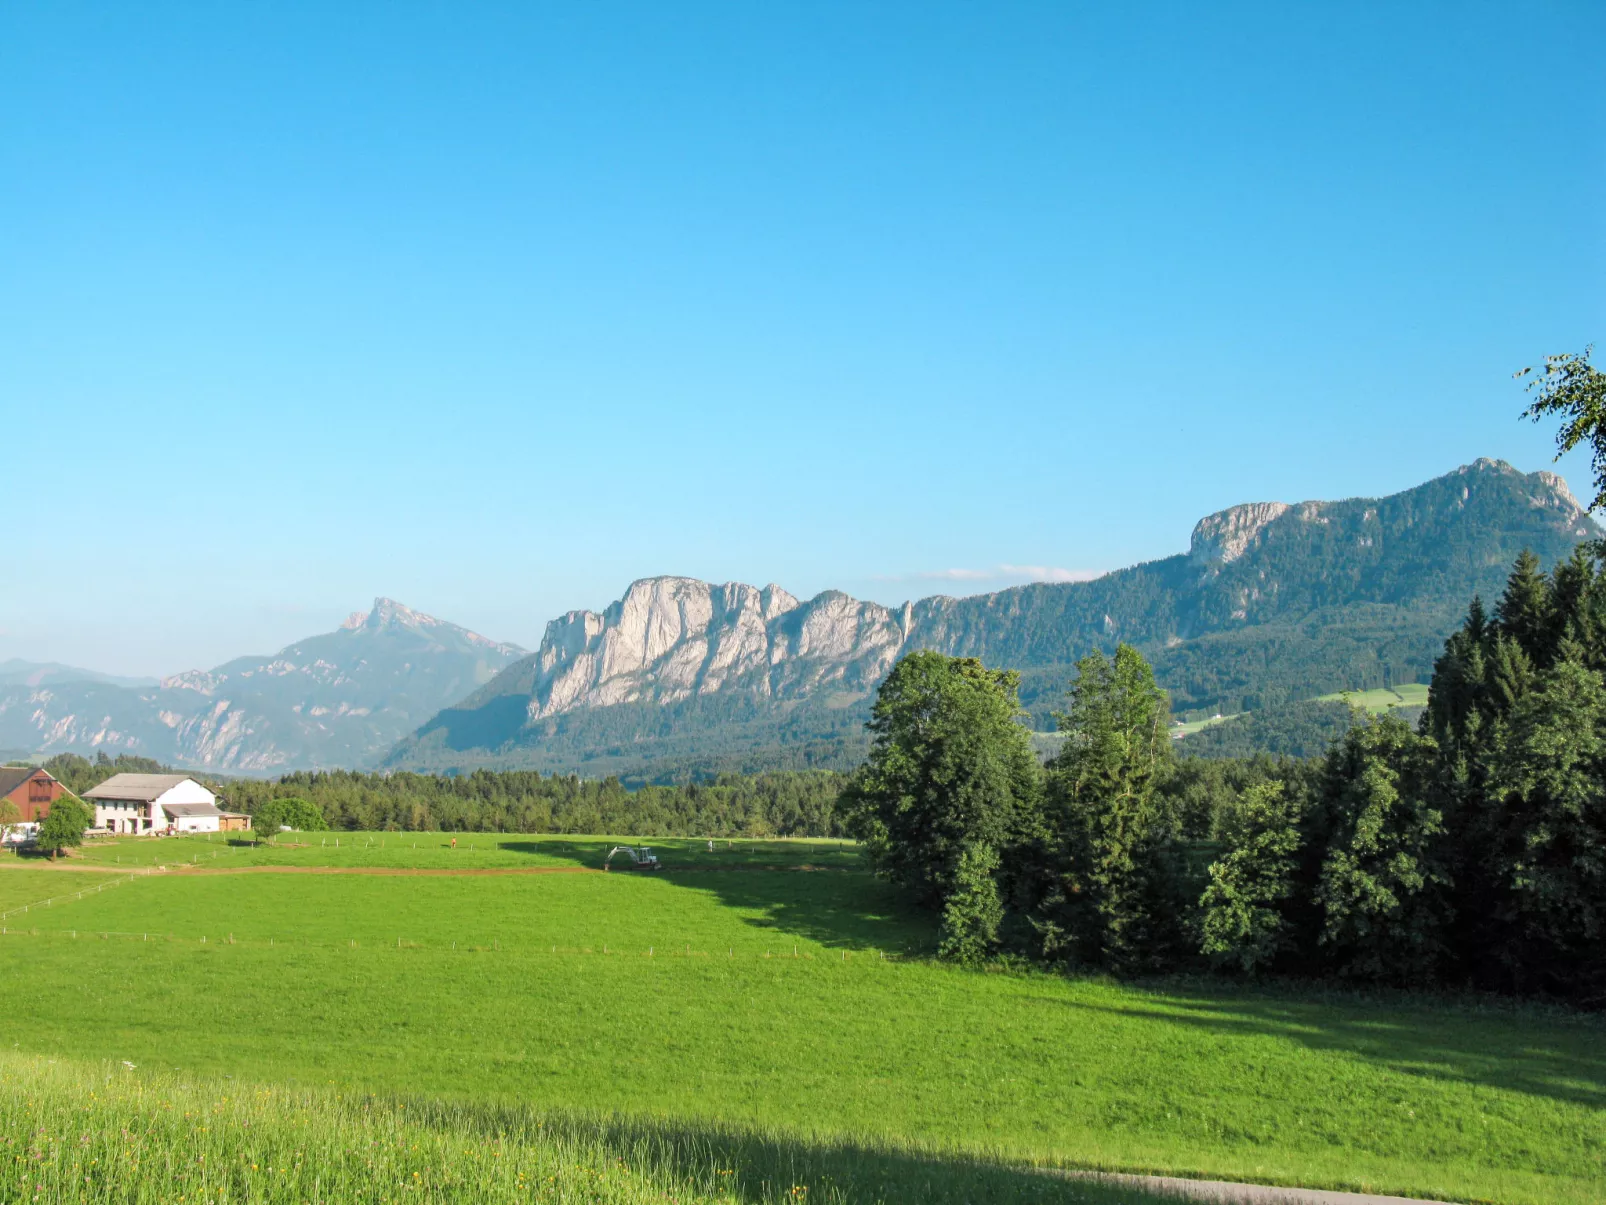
(1225, 535)
(671, 638)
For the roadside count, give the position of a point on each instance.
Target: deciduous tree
(1570, 386)
(1381, 888)
(1244, 925)
(950, 770)
(63, 828)
(973, 911)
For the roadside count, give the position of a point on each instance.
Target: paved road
(1225, 1192)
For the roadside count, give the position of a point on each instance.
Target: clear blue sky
(493, 309)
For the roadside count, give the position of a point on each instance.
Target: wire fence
(69, 897)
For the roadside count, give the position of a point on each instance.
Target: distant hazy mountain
(1271, 603)
(16, 672)
(340, 699)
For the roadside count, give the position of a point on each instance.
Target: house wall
(33, 796)
(195, 824)
(121, 816)
(188, 791)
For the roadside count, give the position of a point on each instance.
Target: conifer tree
(1111, 896)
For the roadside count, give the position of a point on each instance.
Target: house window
(39, 790)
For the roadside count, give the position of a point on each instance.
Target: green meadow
(472, 851)
(1412, 694)
(772, 1001)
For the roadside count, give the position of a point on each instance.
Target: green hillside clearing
(1378, 702)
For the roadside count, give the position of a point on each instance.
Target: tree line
(1467, 851)
(782, 804)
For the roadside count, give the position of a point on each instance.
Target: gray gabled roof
(190, 809)
(141, 788)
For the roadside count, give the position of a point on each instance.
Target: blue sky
(494, 309)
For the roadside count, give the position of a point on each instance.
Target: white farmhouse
(156, 803)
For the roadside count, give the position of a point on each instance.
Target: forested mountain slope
(1271, 603)
(339, 699)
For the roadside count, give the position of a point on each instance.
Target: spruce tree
(1110, 899)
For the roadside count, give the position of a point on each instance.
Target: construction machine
(637, 857)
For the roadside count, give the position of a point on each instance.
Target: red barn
(31, 789)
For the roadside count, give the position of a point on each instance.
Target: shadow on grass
(772, 1166)
(836, 909)
(1520, 1048)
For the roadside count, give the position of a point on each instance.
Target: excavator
(636, 858)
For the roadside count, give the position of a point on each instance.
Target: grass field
(722, 997)
(473, 851)
(1413, 694)
(1193, 726)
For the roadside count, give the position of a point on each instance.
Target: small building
(233, 822)
(31, 789)
(154, 803)
(193, 817)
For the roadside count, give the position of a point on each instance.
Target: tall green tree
(63, 828)
(1244, 922)
(1381, 891)
(973, 911)
(1549, 782)
(950, 769)
(1570, 386)
(1110, 897)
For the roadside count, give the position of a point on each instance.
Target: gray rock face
(1224, 536)
(671, 638)
(341, 699)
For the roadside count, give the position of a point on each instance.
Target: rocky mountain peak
(387, 612)
(388, 615)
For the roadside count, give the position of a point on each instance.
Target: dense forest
(765, 805)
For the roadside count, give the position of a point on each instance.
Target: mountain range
(340, 699)
(1271, 603)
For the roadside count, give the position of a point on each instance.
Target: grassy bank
(113, 1133)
